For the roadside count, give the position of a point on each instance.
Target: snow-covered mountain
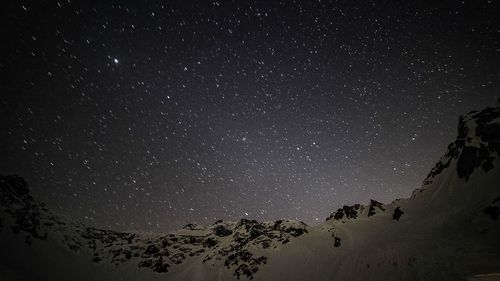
(449, 229)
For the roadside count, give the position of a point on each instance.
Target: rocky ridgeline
(231, 243)
(353, 212)
(350, 213)
(476, 147)
(239, 246)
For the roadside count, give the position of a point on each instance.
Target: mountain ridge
(445, 229)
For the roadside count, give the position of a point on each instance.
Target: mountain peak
(476, 147)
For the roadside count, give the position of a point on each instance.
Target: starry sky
(150, 115)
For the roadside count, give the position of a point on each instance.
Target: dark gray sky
(149, 116)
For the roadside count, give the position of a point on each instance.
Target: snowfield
(449, 229)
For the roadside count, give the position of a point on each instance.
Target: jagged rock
(295, 232)
(222, 231)
(397, 213)
(374, 205)
(349, 212)
(244, 262)
(192, 226)
(471, 156)
(210, 242)
(160, 266)
(247, 233)
(151, 250)
(354, 211)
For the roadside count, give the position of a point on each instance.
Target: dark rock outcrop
(374, 205)
(353, 212)
(221, 231)
(470, 153)
(494, 209)
(247, 234)
(346, 212)
(338, 242)
(397, 214)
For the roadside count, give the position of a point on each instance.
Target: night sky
(150, 115)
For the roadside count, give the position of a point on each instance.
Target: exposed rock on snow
(158, 253)
(337, 242)
(375, 207)
(346, 212)
(397, 213)
(357, 210)
(477, 141)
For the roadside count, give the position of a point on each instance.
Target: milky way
(151, 116)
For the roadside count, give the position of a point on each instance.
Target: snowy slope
(449, 229)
